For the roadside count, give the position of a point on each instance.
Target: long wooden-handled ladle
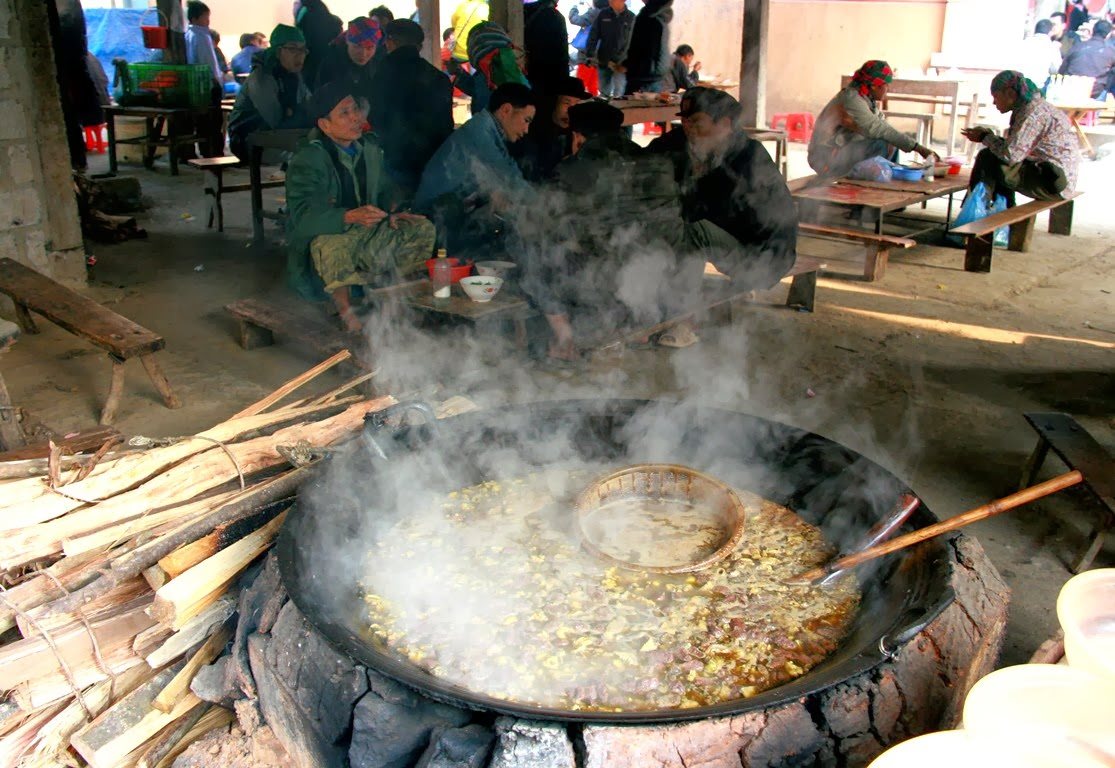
(1025, 496)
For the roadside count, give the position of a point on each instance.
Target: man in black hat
(547, 141)
(737, 207)
(412, 104)
(343, 227)
(610, 248)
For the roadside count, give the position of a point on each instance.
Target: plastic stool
(797, 125)
(652, 129)
(95, 139)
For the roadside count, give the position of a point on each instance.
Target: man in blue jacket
(472, 182)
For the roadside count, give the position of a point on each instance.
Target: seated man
(740, 214)
(1038, 157)
(851, 128)
(472, 181)
(547, 141)
(274, 95)
(341, 202)
(608, 249)
(1094, 57)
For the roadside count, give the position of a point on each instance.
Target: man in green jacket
(852, 128)
(344, 226)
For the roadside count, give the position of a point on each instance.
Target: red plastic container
(155, 37)
(456, 272)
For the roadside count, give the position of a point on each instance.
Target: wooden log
(33, 658)
(124, 727)
(214, 718)
(161, 745)
(109, 604)
(155, 576)
(132, 470)
(175, 600)
(182, 559)
(177, 688)
(54, 736)
(133, 562)
(72, 572)
(194, 632)
(14, 745)
(262, 405)
(180, 483)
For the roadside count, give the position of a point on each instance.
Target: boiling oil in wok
(489, 589)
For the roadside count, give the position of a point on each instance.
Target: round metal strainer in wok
(669, 484)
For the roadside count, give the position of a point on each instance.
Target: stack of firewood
(119, 572)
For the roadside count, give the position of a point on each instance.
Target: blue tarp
(114, 33)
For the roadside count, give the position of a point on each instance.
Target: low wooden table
(285, 140)
(1076, 110)
(884, 197)
(637, 111)
(155, 119)
(487, 317)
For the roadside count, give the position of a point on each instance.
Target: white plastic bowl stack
(1086, 610)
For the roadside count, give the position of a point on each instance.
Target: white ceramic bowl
(1086, 610)
(1049, 700)
(481, 287)
(498, 269)
(964, 749)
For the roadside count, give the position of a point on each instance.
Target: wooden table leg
(115, 390)
(977, 253)
(1085, 145)
(254, 162)
(159, 379)
(110, 120)
(24, 319)
(1033, 464)
(172, 143)
(1099, 533)
(149, 140)
(874, 261)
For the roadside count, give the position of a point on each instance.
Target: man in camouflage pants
(345, 226)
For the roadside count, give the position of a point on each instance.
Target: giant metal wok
(321, 545)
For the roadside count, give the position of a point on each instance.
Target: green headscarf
(280, 36)
(1016, 82)
(873, 72)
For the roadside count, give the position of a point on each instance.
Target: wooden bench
(978, 235)
(83, 317)
(876, 248)
(1060, 433)
(215, 187)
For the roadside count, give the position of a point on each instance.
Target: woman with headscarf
(274, 95)
(492, 56)
(851, 128)
(351, 59)
(1039, 155)
(320, 28)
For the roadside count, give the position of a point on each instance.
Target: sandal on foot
(678, 337)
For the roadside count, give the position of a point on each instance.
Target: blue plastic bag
(872, 169)
(976, 207)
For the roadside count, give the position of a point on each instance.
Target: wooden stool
(1080, 451)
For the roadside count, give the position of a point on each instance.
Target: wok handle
(918, 618)
(376, 421)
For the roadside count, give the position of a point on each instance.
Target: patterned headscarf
(364, 32)
(1016, 82)
(872, 73)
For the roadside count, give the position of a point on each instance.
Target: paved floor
(927, 372)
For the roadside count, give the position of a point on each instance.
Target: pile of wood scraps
(119, 576)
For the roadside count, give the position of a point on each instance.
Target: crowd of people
(1071, 44)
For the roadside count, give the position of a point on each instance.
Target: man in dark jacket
(547, 142)
(351, 59)
(412, 105)
(608, 40)
(739, 210)
(608, 249)
(546, 40)
(1092, 58)
(320, 28)
(648, 56)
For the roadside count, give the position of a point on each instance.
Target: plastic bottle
(442, 276)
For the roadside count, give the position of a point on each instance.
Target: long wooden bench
(876, 248)
(978, 235)
(1061, 433)
(81, 316)
(215, 187)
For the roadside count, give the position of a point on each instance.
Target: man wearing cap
(274, 95)
(851, 128)
(344, 227)
(350, 58)
(547, 142)
(472, 183)
(738, 212)
(412, 104)
(609, 249)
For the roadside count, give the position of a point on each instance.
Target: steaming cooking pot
(321, 545)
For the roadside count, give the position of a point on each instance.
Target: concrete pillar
(39, 224)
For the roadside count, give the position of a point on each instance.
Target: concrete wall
(38, 212)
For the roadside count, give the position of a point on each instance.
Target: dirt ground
(927, 372)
